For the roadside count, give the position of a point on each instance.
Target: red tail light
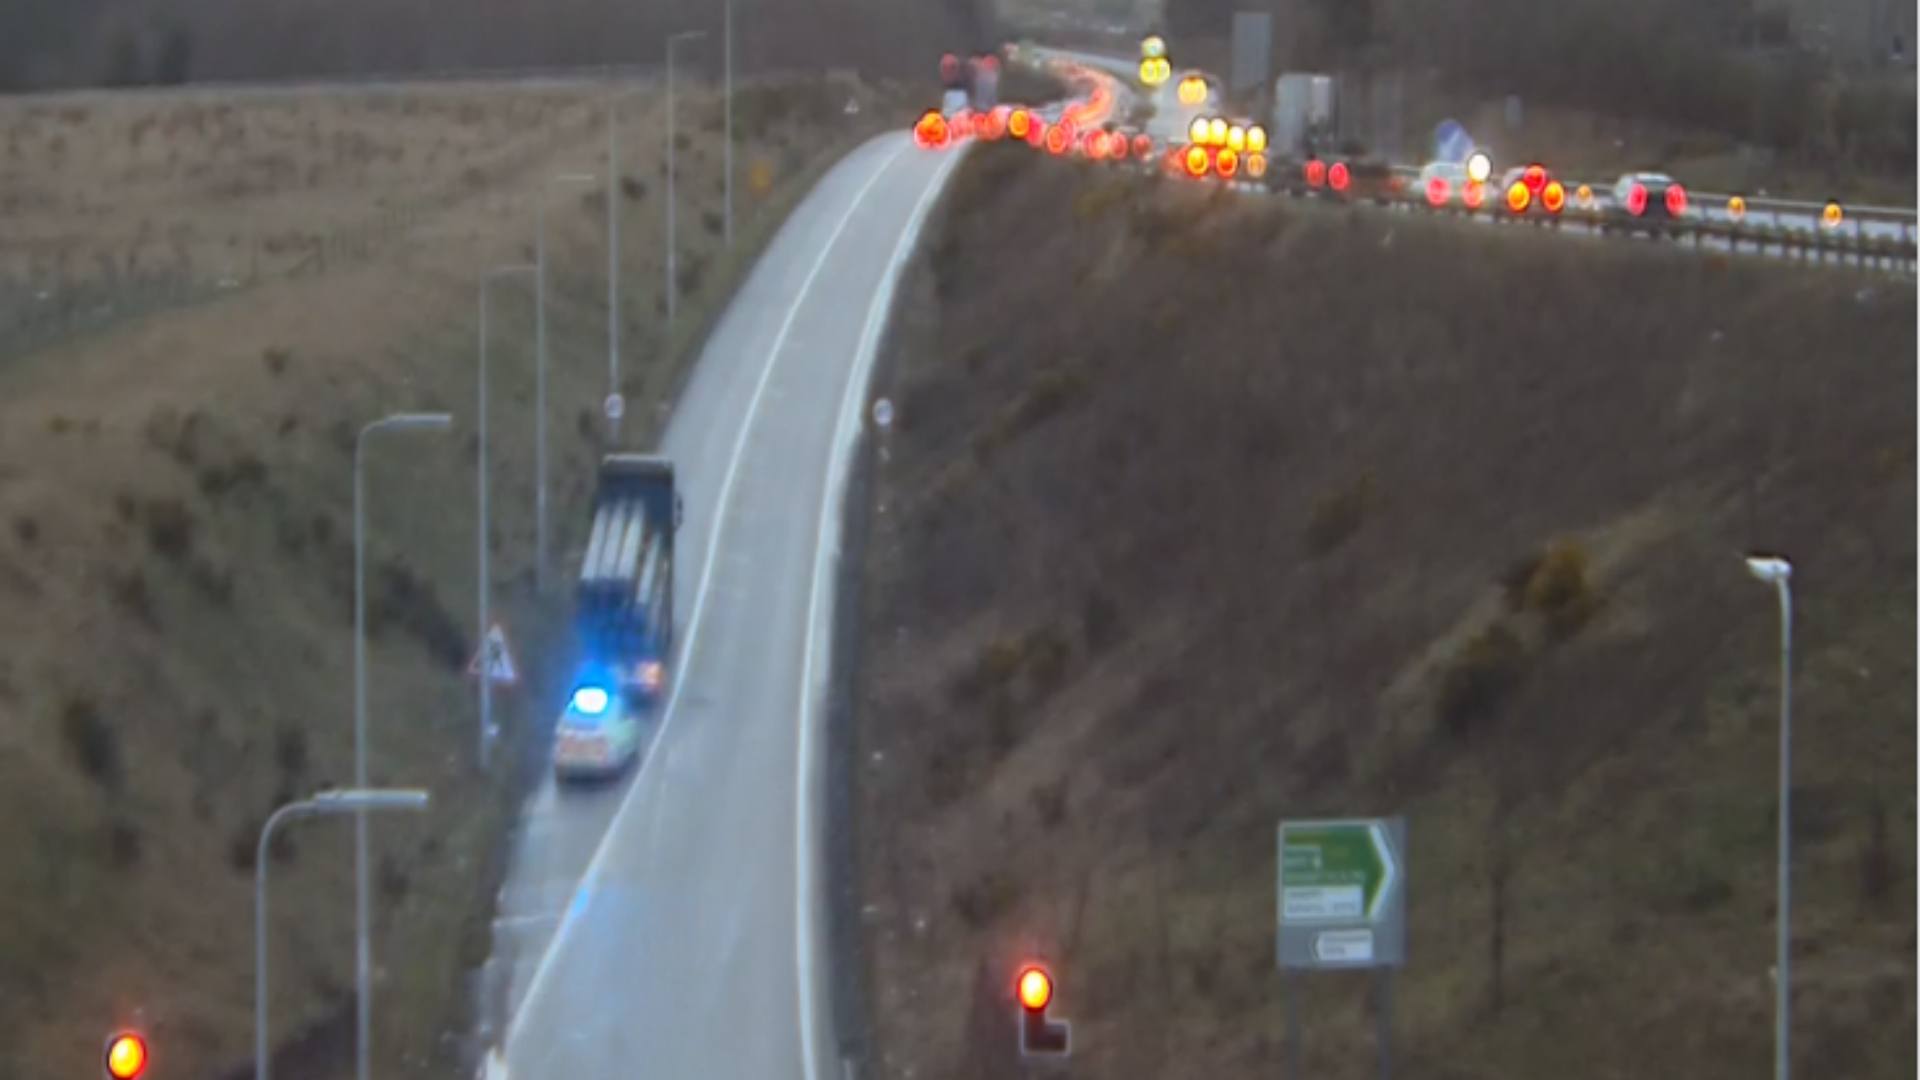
(1535, 177)
(1637, 199)
(1338, 176)
(1227, 162)
(1197, 161)
(1142, 145)
(1438, 190)
(1553, 197)
(1473, 194)
(1057, 139)
(1036, 132)
(1676, 200)
(1117, 145)
(1316, 172)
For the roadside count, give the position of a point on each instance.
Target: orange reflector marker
(1018, 123)
(1256, 164)
(931, 132)
(1584, 196)
(1831, 215)
(1518, 197)
(1737, 208)
(1316, 172)
(1226, 161)
(127, 1055)
(1474, 194)
(1036, 988)
(1196, 161)
(1553, 197)
(1438, 191)
(1338, 177)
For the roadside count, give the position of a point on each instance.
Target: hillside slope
(176, 530)
(1198, 513)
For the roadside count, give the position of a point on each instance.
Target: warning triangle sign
(495, 658)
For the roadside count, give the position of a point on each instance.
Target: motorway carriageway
(1171, 120)
(672, 924)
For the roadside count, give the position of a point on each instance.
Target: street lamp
(486, 675)
(351, 801)
(673, 286)
(363, 951)
(726, 167)
(1778, 572)
(613, 255)
(540, 375)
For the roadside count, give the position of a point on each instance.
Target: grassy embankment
(176, 559)
(1198, 513)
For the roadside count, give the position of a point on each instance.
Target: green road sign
(1337, 862)
(1342, 887)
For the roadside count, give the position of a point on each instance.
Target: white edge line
(825, 554)
(694, 623)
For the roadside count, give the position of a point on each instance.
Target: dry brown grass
(1596, 431)
(176, 577)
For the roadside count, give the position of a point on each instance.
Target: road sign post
(1341, 905)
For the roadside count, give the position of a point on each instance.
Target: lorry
(1309, 156)
(1303, 116)
(623, 616)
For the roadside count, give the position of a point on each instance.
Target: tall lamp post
(540, 375)
(673, 285)
(355, 801)
(362, 902)
(1778, 572)
(726, 167)
(480, 465)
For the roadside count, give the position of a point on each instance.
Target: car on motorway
(599, 733)
(1647, 200)
(1443, 183)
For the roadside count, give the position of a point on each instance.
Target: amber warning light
(1040, 1036)
(126, 1056)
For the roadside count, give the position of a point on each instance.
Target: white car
(1434, 174)
(598, 734)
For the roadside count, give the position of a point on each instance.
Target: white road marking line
(825, 553)
(543, 971)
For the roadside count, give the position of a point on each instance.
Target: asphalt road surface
(672, 924)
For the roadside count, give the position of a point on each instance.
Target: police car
(599, 733)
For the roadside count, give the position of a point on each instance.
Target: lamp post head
(437, 421)
(1770, 569)
(373, 799)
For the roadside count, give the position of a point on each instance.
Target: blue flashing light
(591, 700)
